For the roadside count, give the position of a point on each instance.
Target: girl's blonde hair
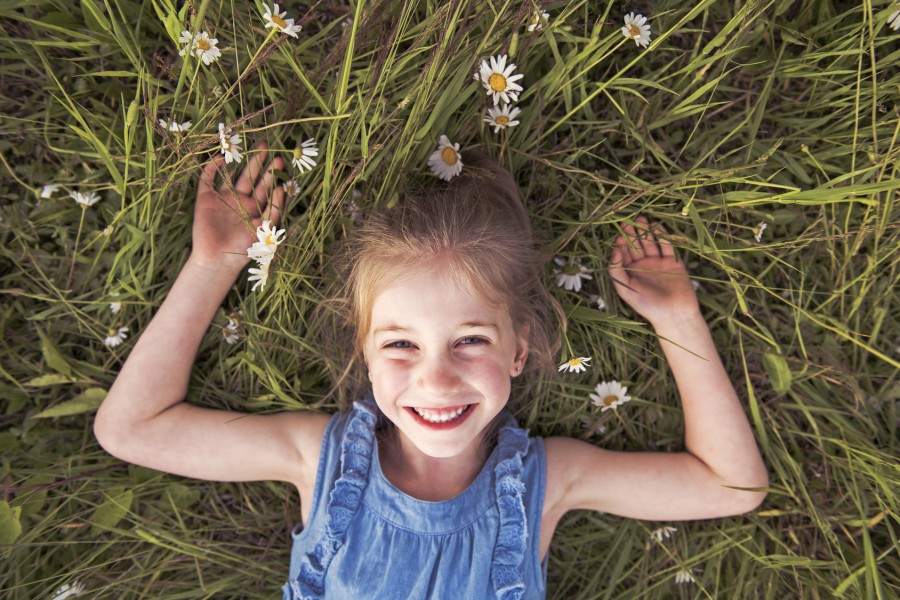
(477, 231)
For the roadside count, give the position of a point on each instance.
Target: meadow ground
(763, 134)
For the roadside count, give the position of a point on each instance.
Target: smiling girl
(427, 487)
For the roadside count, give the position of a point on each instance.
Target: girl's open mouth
(444, 418)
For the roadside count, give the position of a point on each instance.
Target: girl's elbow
(750, 498)
(111, 433)
(104, 433)
(750, 502)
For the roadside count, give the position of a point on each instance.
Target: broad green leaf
(94, 17)
(87, 401)
(52, 354)
(111, 511)
(47, 380)
(10, 528)
(778, 372)
(182, 496)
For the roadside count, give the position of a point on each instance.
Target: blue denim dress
(366, 539)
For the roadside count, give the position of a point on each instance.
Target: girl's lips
(445, 425)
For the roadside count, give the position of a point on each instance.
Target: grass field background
(781, 112)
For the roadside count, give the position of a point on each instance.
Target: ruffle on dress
(346, 496)
(506, 564)
(343, 502)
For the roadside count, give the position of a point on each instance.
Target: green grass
(782, 111)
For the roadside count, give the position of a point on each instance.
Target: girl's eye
(468, 341)
(400, 345)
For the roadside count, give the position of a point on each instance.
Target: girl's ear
(521, 350)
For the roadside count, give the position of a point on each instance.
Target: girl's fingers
(621, 251)
(617, 267)
(631, 246)
(208, 177)
(275, 207)
(250, 174)
(646, 238)
(264, 186)
(665, 246)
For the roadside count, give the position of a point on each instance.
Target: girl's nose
(438, 375)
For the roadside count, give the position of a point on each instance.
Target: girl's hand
(648, 276)
(226, 217)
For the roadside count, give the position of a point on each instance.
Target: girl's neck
(427, 478)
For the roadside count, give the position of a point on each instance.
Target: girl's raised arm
(721, 450)
(143, 419)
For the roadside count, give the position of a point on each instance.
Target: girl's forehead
(434, 296)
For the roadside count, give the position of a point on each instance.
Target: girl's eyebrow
(391, 327)
(472, 324)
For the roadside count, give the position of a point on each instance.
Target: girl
(427, 488)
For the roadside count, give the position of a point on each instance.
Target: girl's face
(440, 362)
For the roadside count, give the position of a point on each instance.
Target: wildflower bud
(513, 45)
(131, 116)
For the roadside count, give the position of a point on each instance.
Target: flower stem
(75, 248)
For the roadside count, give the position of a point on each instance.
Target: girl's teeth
(434, 416)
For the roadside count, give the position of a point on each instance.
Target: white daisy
(205, 48)
(894, 20)
(290, 188)
(498, 80)
(115, 306)
(116, 337)
(48, 190)
(269, 240)
(446, 161)
(260, 276)
(89, 199)
(600, 302)
(185, 41)
(538, 19)
(303, 155)
(230, 333)
(662, 533)
(68, 591)
(684, 576)
(569, 275)
(501, 118)
(757, 233)
(576, 365)
(231, 144)
(173, 125)
(276, 19)
(610, 394)
(636, 28)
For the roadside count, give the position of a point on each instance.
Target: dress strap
(506, 564)
(344, 500)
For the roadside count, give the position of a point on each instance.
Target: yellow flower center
(634, 30)
(448, 155)
(226, 145)
(203, 44)
(497, 82)
(269, 240)
(610, 400)
(279, 22)
(501, 120)
(575, 362)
